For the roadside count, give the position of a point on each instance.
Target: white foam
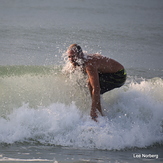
(6, 159)
(133, 119)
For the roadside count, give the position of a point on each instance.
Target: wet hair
(75, 48)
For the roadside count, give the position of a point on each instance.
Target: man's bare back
(104, 64)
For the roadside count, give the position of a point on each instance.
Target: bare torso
(103, 64)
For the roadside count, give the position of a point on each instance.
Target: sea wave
(52, 109)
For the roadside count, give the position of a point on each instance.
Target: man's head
(75, 54)
(75, 48)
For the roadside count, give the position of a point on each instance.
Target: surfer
(104, 74)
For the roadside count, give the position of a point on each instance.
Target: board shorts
(109, 81)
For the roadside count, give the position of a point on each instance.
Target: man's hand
(94, 115)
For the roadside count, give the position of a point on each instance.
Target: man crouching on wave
(104, 74)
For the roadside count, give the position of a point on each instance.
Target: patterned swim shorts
(109, 81)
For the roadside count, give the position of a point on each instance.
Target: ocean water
(44, 112)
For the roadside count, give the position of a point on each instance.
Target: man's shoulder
(90, 65)
(93, 60)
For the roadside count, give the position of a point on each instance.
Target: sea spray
(133, 120)
(38, 87)
(53, 109)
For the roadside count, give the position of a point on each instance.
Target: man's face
(72, 57)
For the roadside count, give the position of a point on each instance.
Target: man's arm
(94, 87)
